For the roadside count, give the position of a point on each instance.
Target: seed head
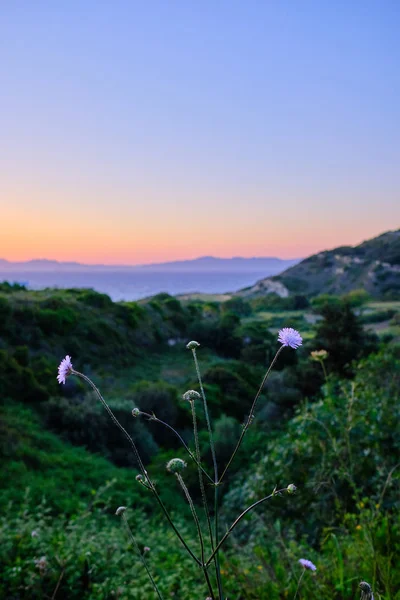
(120, 510)
(366, 591)
(192, 345)
(291, 489)
(135, 412)
(191, 395)
(176, 465)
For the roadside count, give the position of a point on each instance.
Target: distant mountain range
(204, 264)
(373, 265)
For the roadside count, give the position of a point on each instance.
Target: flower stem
(201, 482)
(154, 418)
(240, 517)
(136, 545)
(298, 584)
(251, 414)
(139, 460)
(196, 520)
(214, 458)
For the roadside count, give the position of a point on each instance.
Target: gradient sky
(133, 132)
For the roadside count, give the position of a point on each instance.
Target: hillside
(373, 265)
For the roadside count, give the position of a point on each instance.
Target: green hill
(373, 266)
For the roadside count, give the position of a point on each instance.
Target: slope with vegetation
(373, 266)
(331, 428)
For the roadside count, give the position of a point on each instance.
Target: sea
(123, 285)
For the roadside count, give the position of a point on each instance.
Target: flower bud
(120, 510)
(192, 345)
(176, 465)
(135, 412)
(191, 395)
(319, 355)
(291, 489)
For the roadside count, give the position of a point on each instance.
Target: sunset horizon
(169, 141)
(165, 257)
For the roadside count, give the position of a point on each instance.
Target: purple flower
(307, 564)
(64, 369)
(290, 337)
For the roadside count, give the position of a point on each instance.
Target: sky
(135, 132)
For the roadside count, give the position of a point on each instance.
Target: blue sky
(141, 131)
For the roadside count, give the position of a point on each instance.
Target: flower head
(319, 355)
(307, 564)
(120, 510)
(366, 591)
(192, 345)
(146, 549)
(41, 564)
(291, 489)
(135, 412)
(64, 369)
(191, 395)
(176, 465)
(290, 337)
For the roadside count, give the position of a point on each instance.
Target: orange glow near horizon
(30, 234)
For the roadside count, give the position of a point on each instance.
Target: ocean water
(123, 285)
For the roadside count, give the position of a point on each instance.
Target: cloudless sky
(133, 132)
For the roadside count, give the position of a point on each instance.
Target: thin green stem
(251, 414)
(201, 482)
(204, 497)
(154, 418)
(197, 522)
(195, 517)
(298, 584)
(206, 414)
(216, 557)
(136, 545)
(139, 460)
(240, 517)
(214, 458)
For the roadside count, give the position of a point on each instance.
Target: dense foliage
(334, 434)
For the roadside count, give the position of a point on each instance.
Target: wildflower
(41, 564)
(366, 591)
(64, 369)
(307, 564)
(291, 489)
(176, 465)
(319, 355)
(120, 510)
(191, 395)
(146, 549)
(135, 412)
(34, 533)
(290, 337)
(192, 345)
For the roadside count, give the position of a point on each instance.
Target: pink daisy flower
(64, 369)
